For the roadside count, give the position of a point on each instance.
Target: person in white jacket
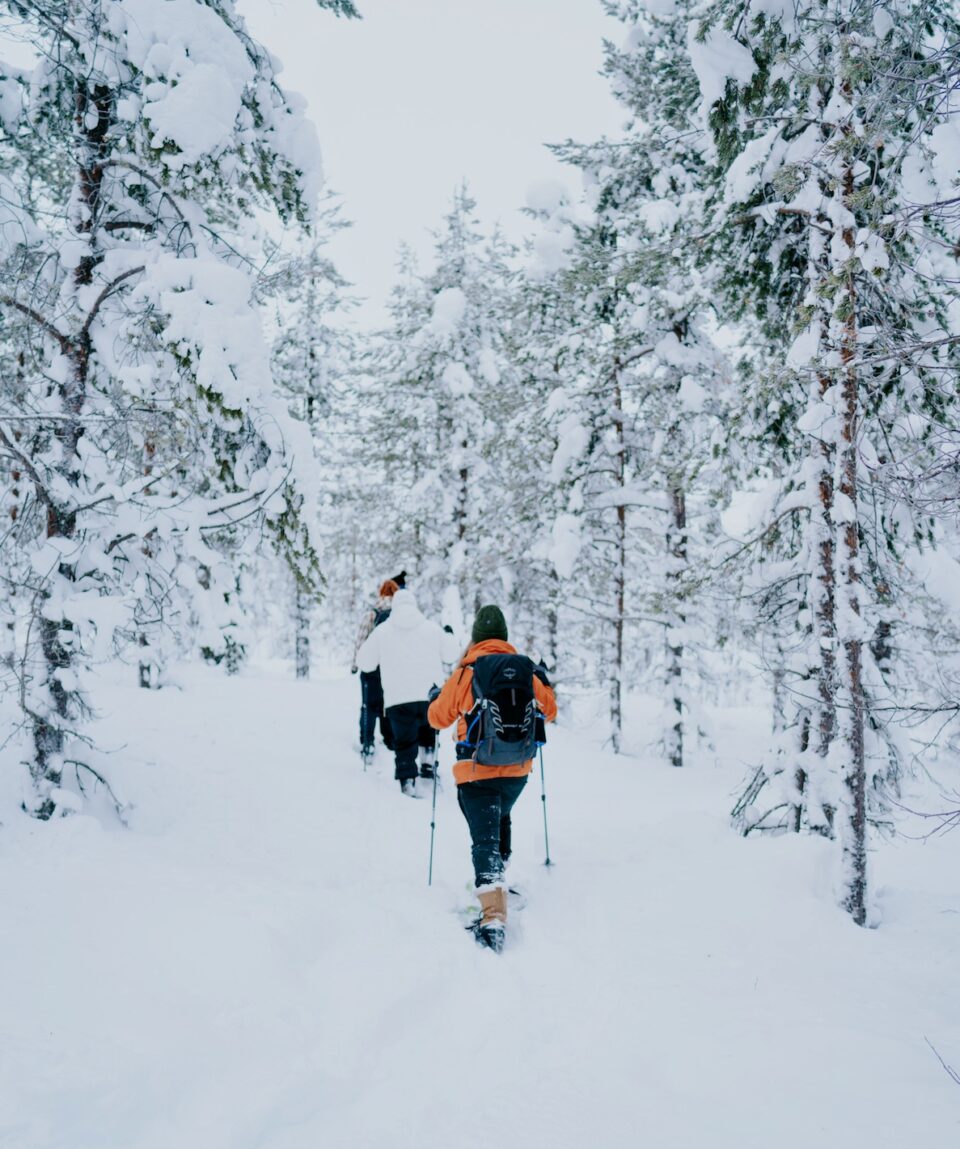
(410, 651)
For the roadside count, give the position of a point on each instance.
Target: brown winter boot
(491, 929)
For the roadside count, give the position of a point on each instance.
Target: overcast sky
(423, 93)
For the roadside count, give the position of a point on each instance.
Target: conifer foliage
(825, 121)
(440, 394)
(700, 429)
(142, 431)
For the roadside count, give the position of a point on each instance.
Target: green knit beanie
(489, 623)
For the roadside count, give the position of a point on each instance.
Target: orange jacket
(456, 700)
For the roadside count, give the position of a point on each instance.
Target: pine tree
(311, 359)
(146, 426)
(817, 121)
(438, 383)
(640, 412)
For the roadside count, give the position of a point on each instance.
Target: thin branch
(122, 224)
(27, 466)
(78, 766)
(105, 295)
(65, 344)
(951, 1072)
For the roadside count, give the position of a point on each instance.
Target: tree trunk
(676, 564)
(854, 822)
(616, 675)
(302, 636)
(51, 718)
(467, 579)
(620, 570)
(820, 546)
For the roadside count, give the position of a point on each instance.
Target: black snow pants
(409, 730)
(486, 805)
(371, 708)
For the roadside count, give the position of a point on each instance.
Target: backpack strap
(467, 745)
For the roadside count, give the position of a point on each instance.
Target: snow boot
(491, 929)
(366, 756)
(408, 786)
(428, 763)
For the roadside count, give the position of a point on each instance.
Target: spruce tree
(818, 121)
(439, 396)
(145, 428)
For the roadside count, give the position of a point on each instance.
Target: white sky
(421, 94)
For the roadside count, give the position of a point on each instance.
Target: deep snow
(257, 962)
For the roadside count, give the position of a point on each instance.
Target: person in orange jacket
(495, 696)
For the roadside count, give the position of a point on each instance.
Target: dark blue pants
(409, 730)
(486, 805)
(371, 708)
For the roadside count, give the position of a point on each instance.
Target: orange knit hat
(388, 589)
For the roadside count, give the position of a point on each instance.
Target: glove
(448, 628)
(353, 669)
(433, 692)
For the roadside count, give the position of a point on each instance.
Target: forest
(697, 434)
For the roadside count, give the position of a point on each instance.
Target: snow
(572, 440)
(209, 319)
(546, 196)
(11, 101)
(843, 509)
(691, 395)
(488, 366)
(883, 22)
(257, 960)
(16, 224)
(457, 379)
(449, 308)
(551, 251)
(716, 59)
(815, 419)
(747, 169)
(566, 544)
(945, 145)
(201, 72)
(939, 574)
(804, 348)
(658, 215)
(750, 509)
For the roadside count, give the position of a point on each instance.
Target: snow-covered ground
(257, 962)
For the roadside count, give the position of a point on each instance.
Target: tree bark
(853, 830)
(620, 570)
(677, 561)
(93, 114)
(302, 635)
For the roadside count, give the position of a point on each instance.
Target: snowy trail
(258, 963)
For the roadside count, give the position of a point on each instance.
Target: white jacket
(410, 651)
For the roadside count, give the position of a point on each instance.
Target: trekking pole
(433, 811)
(543, 799)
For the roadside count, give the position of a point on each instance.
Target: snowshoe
(489, 936)
(427, 769)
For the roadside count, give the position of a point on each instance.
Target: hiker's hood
(405, 613)
(488, 646)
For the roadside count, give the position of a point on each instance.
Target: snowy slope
(258, 964)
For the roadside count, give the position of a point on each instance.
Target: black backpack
(504, 726)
